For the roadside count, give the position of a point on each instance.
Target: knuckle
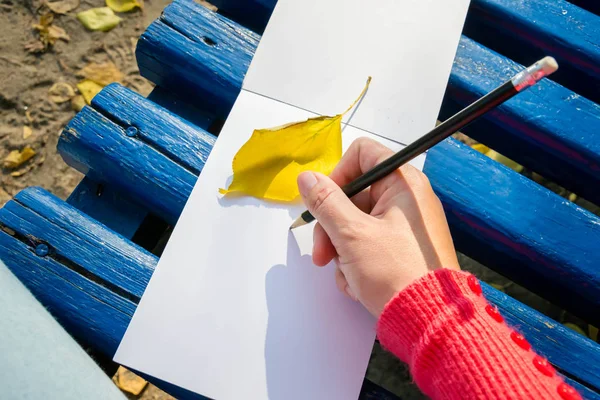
(362, 141)
(415, 178)
(320, 197)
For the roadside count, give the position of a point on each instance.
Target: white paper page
(236, 309)
(317, 55)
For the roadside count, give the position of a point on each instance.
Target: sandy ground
(26, 78)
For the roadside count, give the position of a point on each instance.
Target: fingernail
(306, 181)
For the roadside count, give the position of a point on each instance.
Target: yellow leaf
(267, 165)
(483, 149)
(123, 5)
(593, 331)
(98, 19)
(63, 6)
(17, 157)
(46, 19)
(88, 89)
(505, 161)
(129, 382)
(55, 33)
(49, 33)
(575, 327)
(77, 103)
(102, 74)
(61, 92)
(27, 132)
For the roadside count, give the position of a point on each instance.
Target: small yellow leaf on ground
(129, 382)
(98, 19)
(88, 89)
(575, 327)
(593, 333)
(55, 33)
(62, 6)
(77, 103)
(27, 132)
(267, 165)
(61, 92)
(101, 73)
(124, 5)
(49, 33)
(22, 172)
(17, 157)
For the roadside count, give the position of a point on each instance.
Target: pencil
(510, 88)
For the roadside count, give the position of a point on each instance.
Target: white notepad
(235, 308)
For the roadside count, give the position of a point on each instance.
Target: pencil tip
(298, 222)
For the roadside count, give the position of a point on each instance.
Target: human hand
(385, 237)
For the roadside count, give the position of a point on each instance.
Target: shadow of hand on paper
(289, 367)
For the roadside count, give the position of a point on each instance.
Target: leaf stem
(359, 96)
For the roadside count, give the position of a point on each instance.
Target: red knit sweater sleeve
(458, 347)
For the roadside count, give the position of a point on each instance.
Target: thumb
(327, 202)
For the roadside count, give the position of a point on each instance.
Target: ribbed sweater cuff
(455, 347)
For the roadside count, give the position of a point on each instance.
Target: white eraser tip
(548, 65)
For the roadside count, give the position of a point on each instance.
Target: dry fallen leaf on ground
(88, 89)
(55, 33)
(98, 19)
(22, 171)
(129, 382)
(35, 47)
(61, 92)
(102, 74)
(16, 158)
(77, 103)
(27, 132)
(49, 34)
(124, 5)
(62, 6)
(267, 165)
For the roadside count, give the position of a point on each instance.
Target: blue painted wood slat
(528, 30)
(216, 54)
(252, 14)
(101, 202)
(88, 311)
(519, 228)
(82, 240)
(101, 148)
(549, 129)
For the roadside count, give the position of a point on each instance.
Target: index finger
(362, 155)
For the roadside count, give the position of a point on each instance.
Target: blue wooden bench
(90, 258)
